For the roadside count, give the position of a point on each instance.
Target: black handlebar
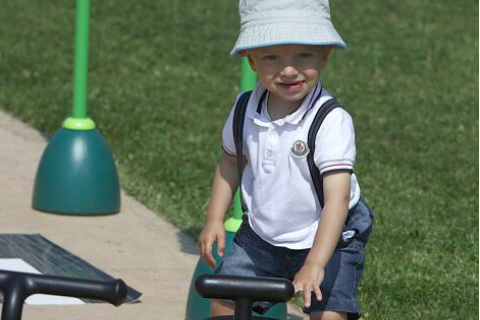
(244, 290)
(18, 286)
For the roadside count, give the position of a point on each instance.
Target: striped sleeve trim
(349, 170)
(344, 165)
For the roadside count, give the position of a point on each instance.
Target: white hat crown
(273, 22)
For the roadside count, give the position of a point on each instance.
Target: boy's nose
(289, 71)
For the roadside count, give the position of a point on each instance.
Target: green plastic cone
(77, 173)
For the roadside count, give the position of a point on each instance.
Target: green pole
(248, 82)
(249, 77)
(198, 308)
(81, 60)
(79, 119)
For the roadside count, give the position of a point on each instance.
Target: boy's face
(290, 71)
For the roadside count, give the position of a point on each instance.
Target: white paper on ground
(20, 265)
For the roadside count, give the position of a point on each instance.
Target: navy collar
(314, 97)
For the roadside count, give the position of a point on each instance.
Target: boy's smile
(289, 72)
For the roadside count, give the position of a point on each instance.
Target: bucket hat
(273, 22)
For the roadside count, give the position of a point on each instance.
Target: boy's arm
(336, 188)
(225, 183)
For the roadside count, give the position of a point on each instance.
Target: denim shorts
(250, 255)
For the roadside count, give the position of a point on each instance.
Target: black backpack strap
(312, 135)
(238, 121)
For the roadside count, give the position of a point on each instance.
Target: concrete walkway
(148, 253)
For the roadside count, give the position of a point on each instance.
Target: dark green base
(198, 308)
(77, 175)
(233, 318)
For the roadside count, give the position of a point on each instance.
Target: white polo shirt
(277, 188)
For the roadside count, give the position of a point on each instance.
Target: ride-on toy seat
(244, 291)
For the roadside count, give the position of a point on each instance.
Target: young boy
(286, 232)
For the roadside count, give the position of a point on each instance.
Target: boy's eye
(305, 55)
(270, 57)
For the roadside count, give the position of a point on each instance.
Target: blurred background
(161, 84)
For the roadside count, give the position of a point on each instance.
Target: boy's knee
(328, 315)
(221, 308)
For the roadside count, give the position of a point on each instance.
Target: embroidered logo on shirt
(299, 149)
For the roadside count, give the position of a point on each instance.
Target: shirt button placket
(268, 162)
(270, 138)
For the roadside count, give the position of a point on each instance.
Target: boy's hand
(308, 279)
(213, 231)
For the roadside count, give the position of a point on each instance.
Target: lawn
(161, 84)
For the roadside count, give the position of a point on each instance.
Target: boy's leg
(328, 315)
(250, 256)
(339, 287)
(342, 275)
(220, 308)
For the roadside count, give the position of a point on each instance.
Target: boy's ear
(325, 56)
(327, 52)
(251, 62)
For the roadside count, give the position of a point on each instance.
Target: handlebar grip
(114, 291)
(253, 288)
(17, 286)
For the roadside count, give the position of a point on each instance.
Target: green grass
(162, 83)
